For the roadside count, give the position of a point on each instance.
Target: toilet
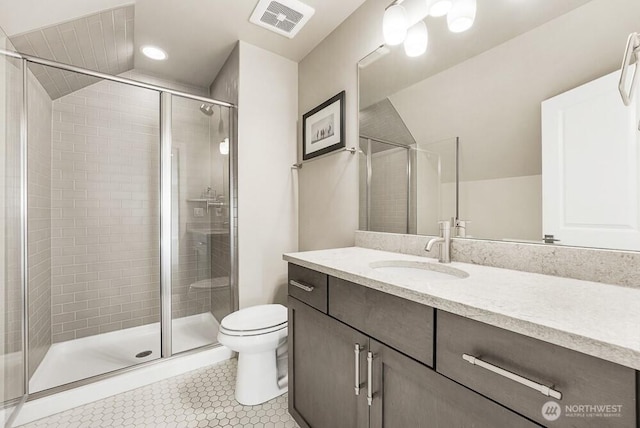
(259, 335)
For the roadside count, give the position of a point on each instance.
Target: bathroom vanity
(379, 339)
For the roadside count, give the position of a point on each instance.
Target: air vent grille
(285, 17)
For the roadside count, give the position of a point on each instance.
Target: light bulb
(224, 147)
(417, 40)
(394, 25)
(462, 15)
(439, 7)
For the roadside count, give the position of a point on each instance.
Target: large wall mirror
(514, 127)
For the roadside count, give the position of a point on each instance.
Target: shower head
(207, 109)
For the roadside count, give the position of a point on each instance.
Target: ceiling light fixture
(403, 21)
(461, 16)
(439, 8)
(154, 53)
(417, 39)
(394, 25)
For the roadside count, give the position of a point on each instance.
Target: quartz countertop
(593, 318)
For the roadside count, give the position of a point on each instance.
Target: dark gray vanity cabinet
(322, 363)
(404, 325)
(308, 286)
(511, 368)
(367, 363)
(407, 394)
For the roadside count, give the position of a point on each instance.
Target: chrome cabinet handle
(632, 49)
(370, 394)
(357, 349)
(307, 288)
(543, 389)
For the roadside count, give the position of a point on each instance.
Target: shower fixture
(207, 109)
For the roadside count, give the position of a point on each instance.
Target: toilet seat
(255, 320)
(253, 332)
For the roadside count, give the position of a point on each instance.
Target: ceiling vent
(285, 17)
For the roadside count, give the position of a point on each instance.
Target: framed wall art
(323, 128)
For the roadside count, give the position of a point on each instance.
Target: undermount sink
(424, 271)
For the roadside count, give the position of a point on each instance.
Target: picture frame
(323, 128)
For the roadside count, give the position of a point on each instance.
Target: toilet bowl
(259, 335)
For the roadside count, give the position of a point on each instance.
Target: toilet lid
(255, 318)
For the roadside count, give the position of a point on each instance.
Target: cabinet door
(408, 394)
(322, 375)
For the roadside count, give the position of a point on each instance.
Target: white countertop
(593, 318)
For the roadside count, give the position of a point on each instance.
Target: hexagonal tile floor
(201, 398)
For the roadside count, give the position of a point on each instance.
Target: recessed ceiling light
(154, 53)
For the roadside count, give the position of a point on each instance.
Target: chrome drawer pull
(357, 349)
(307, 288)
(370, 394)
(543, 389)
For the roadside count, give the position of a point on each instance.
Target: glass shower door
(12, 386)
(93, 226)
(201, 293)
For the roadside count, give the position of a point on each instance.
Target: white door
(591, 167)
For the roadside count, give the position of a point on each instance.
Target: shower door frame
(165, 100)
(409, 173)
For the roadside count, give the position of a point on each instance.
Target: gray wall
(389, 191)
(225, 85)
(328, 187)
(106, 216)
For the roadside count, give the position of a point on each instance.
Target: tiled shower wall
(221, 305)
(105, 221)
(389, 191)
(39, 224)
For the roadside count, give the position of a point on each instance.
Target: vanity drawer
(308, 286)
(402, 324)
(581, 379)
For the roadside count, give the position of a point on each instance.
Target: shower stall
(118, 223)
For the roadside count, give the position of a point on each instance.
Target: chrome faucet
(444, 242)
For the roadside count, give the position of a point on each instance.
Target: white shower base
(78, 359)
